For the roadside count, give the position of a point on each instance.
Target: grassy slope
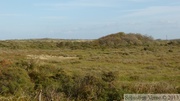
(138, 69)
(148, 66)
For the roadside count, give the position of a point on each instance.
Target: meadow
(88, 70)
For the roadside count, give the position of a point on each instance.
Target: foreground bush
(14, 81)
(28, 81)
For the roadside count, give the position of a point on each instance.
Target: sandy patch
(49, 57)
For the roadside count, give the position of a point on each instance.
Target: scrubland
(92, 70)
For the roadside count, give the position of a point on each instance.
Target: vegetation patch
(90, 70)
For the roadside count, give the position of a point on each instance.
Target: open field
(97, 74)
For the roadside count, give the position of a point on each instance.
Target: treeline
(116, 40)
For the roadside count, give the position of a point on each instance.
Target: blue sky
(88, 19)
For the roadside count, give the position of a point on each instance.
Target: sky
(88, 19)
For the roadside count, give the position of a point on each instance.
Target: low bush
(14, 81)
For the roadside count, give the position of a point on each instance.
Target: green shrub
(14, 81)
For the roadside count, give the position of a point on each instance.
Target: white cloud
(150, 11)
(75, 4)
(11, 15)
(141, 0)
(53, 17)
(168, 22)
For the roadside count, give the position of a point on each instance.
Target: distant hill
(121, 38)
(114, 40)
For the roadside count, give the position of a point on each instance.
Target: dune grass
(93, 70)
